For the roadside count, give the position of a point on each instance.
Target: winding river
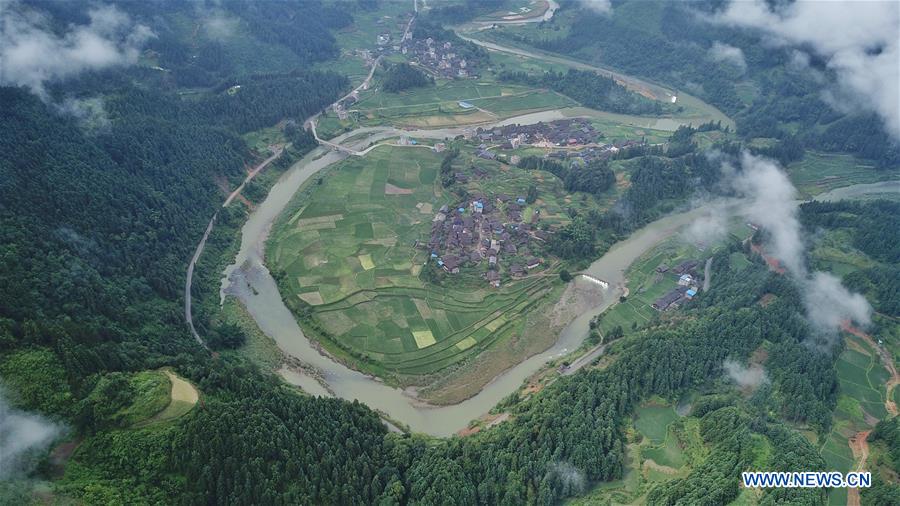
(249, 280)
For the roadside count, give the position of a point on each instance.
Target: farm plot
(351, 266)
(820, 172)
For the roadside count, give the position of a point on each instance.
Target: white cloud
(828, 303)
(767, 198)
(600, 6)
(21, 435)
(728, 54)
(745, 377)
(858, 41)
(32, 54)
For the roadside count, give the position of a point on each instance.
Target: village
(439, 58)
(573, 139)
(487, 230)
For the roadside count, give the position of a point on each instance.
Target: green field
(820, 172)
(353, 261)
(668, 453)
(652, 420)
(438, 105)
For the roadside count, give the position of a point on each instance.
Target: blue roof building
(466, 105)
(691, 293)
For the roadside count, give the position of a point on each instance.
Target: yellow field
(466, 343)
(424, 338)
(366, 262)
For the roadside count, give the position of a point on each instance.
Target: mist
(745, 377)
(31, 53)
(710, 227)
(728, 54)
(859, 41)
(23, 436)
(768, 198)
(569, 476)
(598, 6)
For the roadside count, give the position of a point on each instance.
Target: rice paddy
(353, 263)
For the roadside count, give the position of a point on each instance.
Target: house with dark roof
(451, 264)
(669, 300)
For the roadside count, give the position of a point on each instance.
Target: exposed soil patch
(390, 189)
(860, 448)
(767, 299)
(487, 421)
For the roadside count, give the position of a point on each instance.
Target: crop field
(524, 101)
(353, 261)
(442, 92)
(438, 105)
(820, 172)
(387, 17)
(861, 378)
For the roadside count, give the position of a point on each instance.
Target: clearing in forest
(184, 397)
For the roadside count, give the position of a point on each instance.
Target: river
(250, 281)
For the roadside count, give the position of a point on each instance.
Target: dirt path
(860, 448)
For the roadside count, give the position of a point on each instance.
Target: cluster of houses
(488, 231)
(687, 285)
(564, 132)
(440, 58)
(575, 140)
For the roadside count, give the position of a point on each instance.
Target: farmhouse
(685, 267)
(670, 300)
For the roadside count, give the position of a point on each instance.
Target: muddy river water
(249, 280)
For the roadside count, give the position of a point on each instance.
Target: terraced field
(352, 265)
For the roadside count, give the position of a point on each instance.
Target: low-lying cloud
(745, 377)
(32, 54)
(599, 6)
(710, 227)
(22, 436)
(859, 41)
(828, 303)
(767, 197)
(728, 54)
